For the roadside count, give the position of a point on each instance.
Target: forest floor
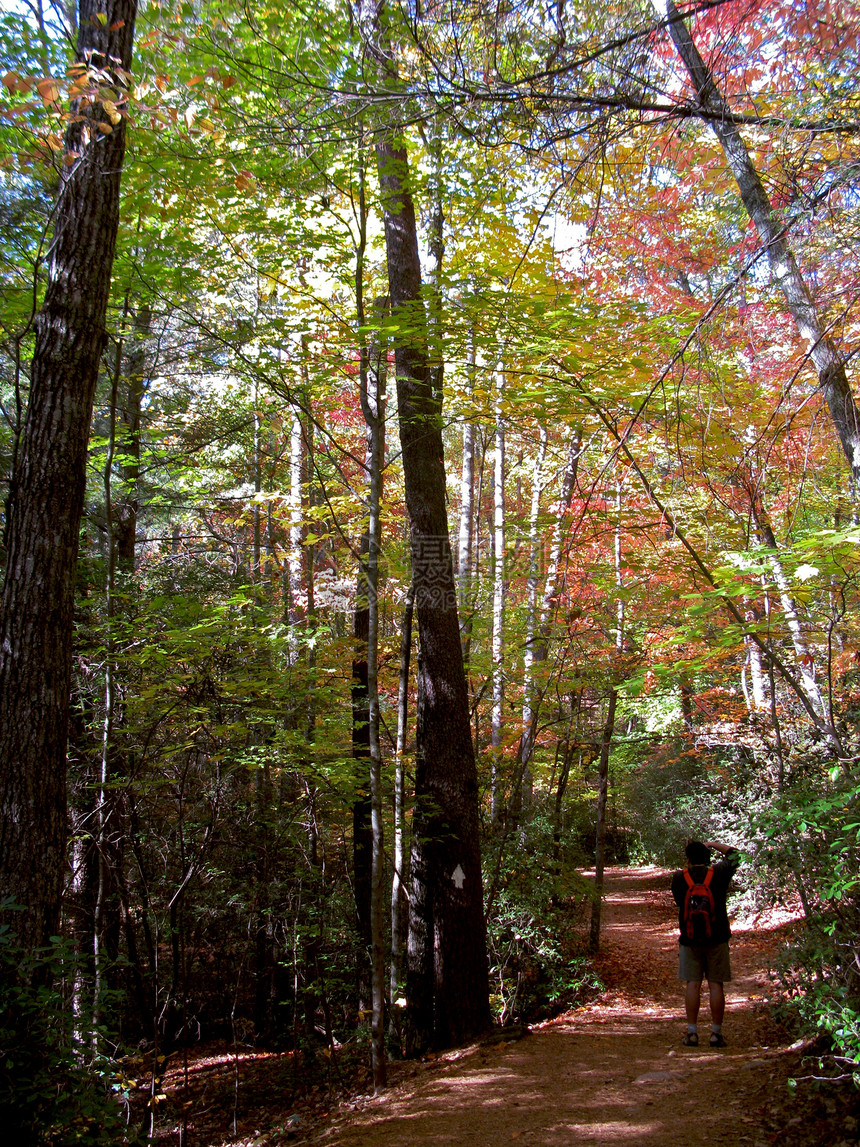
(613, 1071)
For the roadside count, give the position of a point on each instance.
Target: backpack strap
(709, 876)
(688, 878)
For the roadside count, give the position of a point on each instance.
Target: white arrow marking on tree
(458, 876)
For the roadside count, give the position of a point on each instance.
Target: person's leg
(719, 973)
(691, 971)
(692, 1000)
(718, 1003)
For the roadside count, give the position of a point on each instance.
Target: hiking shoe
(690, 1040)
(717, 1040)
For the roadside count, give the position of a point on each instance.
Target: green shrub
(809, 841)
(54, 1090)
(537, 929)
(679, 792)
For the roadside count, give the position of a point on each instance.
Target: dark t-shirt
(724, 870)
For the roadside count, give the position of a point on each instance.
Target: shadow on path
(613, 1072)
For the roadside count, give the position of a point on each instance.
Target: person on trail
(700, 893)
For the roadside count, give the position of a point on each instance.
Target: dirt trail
(613, 1072)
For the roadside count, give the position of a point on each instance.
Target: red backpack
(699, 909)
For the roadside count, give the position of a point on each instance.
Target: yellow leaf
(106, 128)
(112, 114)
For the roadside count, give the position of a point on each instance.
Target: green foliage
(537, 931)
(55, 1091)
(681, 792)
(809, 841)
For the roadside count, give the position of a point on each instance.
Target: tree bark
(47, 487)
(466, 531)
(600, 827)
(529, 715)
(606, 745)
(373, 371)
(398, 882)
(825, 356)
(128, 443)
(568, 483)
(498, 636)
(447, 977)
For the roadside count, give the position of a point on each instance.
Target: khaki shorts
(711, 964)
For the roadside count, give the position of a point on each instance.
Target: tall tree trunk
(373, 371)
(467, 516)
(47, 488)
(600, 828)
(398, 883)
(529, 716)
(295, 557)
(498, 637)
(560, 512)
(128, 443)
(362, 829)
(825, 356)
(606, 745)
(447, 977)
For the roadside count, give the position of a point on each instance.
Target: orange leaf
(49, 90)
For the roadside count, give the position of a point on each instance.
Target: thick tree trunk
(447, 977)
(47, 489)
(825, 356)
(447, 980)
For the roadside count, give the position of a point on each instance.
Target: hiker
(700, 893)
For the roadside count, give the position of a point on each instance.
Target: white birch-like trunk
(805, 660)
(498, 599)
(258, 485)
(529, 715)
(759, 696)
(398, 883)
(295, 563)
(559, 511)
